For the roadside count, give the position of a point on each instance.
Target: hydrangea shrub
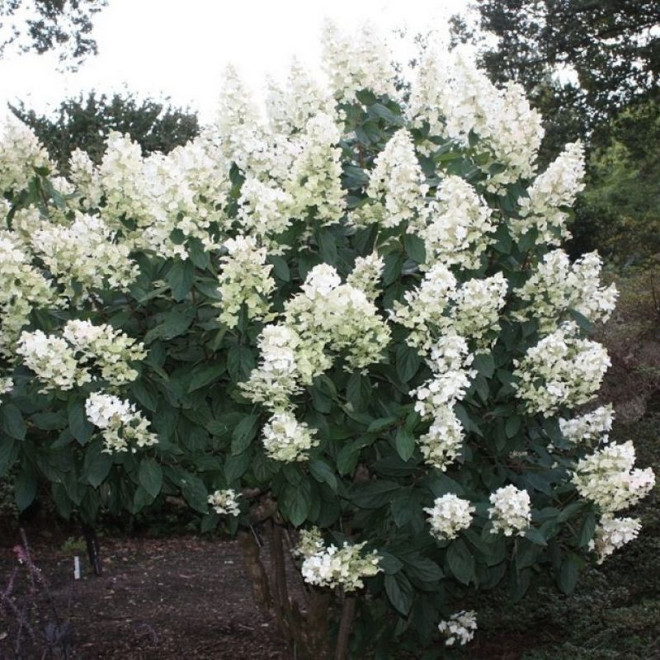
(349, 319)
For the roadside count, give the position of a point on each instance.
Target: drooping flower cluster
(286, 439)
(549, 197)
(225, 502)
(449, 515)
(589, 427)
(511, 511)
(460, 627)
(449, 360)
(245, 281)
(608, 479)
(612, 534)
(558, 286)
(123, 427)
(83, 352)
(22, 289)
(561, 370)
(330, 566)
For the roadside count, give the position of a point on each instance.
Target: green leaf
(535, 536)
(150, 476)
(383, 423)
(512, 426)
(358, 391)
(236, 466)
(414, 247)
(407, 362)
(25, 490)
(97, 464)
(374, 494)
(141, 499)
(404, 443)
(204, 376)
(296, 503)
(81, 428)
(171, 324)
(568, 575)
(323, 473)
(244, 433)
(240, 363)
(9, 449)
(348, 457)
(280, 268)
(587, 530)
(11, 421)
(195, 493)
(421, 568)
(399, 592)
(484, 364)
(460, 561)
(180, 278)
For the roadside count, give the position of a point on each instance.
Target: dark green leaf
(323, 473)
(296, 503)
(240, 363)
(180, 278)
(399, 592)
(204, 376)
(150, 476)
(405, 443)
(236, 466)
(358, 391)
(195, 493)
(568, 575)
(12, 422)
(460, 561)
(81, 428)
(243, 434)
(414, 247)
(97, 464)
(374, 494)
(407, 362)
(25, 490)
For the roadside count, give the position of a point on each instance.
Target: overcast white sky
(179, 49)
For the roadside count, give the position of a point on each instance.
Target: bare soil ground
(156, 599)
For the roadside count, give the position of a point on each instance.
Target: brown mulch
(157, 599)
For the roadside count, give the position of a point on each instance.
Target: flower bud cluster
(558, 286)
(356, 62)
(330, 566)
(457, 100)
(291, 107)
(561, 370)
(612, 534)
(245, 280)
(449, 360)
(449, 515)
(608, 479)
(550, 195)
(455, 226)
(20, 155)
(225, 502)
(511, 511)
(22, 289)
(123, 427)
(460, 627)
(366, 275)
(589, 427)
(286, 439)
(396, 185)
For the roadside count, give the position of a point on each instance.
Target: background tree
(591, 68)
(85, 122)
(63, 26)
